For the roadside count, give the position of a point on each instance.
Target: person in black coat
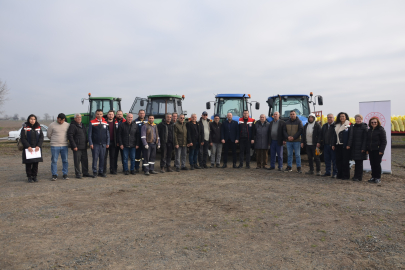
(229, 138)
(376, 143)
(342, 139)
(194, 139)
(328, 130)
(32, 139)
(310, 139)
(77, 136)
(358, 146)
(129, 142)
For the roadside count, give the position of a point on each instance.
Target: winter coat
(194, 136)
(77, 136)
(99, 133)
(260, 134)
(215, 132)
(164, 130)
(229, 131)
(316, 134)
(33, 138)
(245, 129)
(150, 134)
(294, 129)
(359, 141)
(281, 132)
(128, 134)
(180, 134)
(345, 135)
(200, 123)
(327, 134)
(376, 139)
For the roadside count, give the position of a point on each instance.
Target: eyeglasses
(205, 114)
(181, 117)
(373, 122)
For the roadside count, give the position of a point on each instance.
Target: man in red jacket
(245, 137)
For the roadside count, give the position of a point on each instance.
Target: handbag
(20, 145)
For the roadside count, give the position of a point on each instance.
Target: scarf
(339, 128)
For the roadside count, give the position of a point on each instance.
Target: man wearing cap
(229, 138)
(204, 124)
(310, 140)
(215, 141)
(245, 138)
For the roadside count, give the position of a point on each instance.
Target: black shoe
(177, 169)
(372, 180)
(162, 170)
(30, 180)
(224, 166)
(86, 175)
(309, 172)
(103, 175)
(271, 168)
(334, 176)
(356, 179)
(248, 166)
(345, 178)
(114, 172)
(133, 172)
(299, 170)
(95, 175)
(377, 180)
(212, 165)
(35, 179)
(191, 167)
(147, 173)
(280, 169)
(325, 174)
(288, 169)
(234, 166)
(153, 172)
(65, 177)
(218, 166)
(126, 173)
(240, 165)
(168, 169)
(201, 166)
(78, 176)
(184, 169)
(197, 167)
(137, 170)
(205, 166)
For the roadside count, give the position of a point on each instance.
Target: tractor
(95, 103)
(158, 106)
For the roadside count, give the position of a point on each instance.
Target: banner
(382, 110)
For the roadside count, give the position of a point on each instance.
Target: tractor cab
(284, 104)
(231, 103)
(158, 106)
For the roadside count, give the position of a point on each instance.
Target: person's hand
(122, 147)
(318, 145)
(118, 144)
(381, 153)
(191, 144)
(158, 147)
(222, 141)
(236, 141)
(30, 149)
(252, 141)
(91, 146)
(75, 149)
(177, 146)
(146, 146)
(211, 144)
(302, 145)
(333, 148)
(136, 147)
(202, 143)
(107, 146)
(37, 149)
(347, 147)
(290, 138)
(284, 142)
(362, 151)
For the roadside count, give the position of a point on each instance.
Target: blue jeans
(131, 151)
(296, 147)
(193, 155)
(275, 148)
(330, 157)
(63, 151)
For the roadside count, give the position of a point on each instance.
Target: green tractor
(158, 106)
(95, 103)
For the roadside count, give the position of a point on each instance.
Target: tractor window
(234, 106)
(116, 106)
(297, 104)
(99, 104)
(158, 107)
(179, 109)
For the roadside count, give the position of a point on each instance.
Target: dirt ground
(201, 219)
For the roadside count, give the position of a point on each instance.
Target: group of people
(137, 140)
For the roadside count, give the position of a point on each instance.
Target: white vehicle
(15, 135)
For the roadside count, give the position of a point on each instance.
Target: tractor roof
(164, 96)
(289, 96)
(232, 96)
(105, 98)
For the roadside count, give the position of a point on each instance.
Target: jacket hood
(313, 115)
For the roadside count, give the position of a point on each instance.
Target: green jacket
(180, 134)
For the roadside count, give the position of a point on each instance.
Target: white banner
(382, 110)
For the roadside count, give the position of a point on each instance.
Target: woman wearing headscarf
(32, 139)
(342, 139)
(376, 143)
(358, 146)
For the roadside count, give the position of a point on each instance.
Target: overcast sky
(52, 53)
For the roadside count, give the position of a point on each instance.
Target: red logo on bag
(380, 116)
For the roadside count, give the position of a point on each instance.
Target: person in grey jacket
(151, 142)
(260, 138)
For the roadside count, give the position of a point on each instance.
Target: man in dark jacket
(99, 141)
(277, 141)
(260, 138)
(194, 139)
(166, 135)
(326, 138)
(245, 137)
(77, 137)
(204, 124)
(113, 143)
(215, 141)
(129, 142)
(293, 131)
(119, 119)
(140, 121)
(229, 138)
(310, 140)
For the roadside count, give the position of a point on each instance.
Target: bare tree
(47, 116)
(3, 93)
(22, 118)
(15, 117)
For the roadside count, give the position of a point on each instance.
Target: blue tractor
(232, 103)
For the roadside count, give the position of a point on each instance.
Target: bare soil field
(201, 219)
